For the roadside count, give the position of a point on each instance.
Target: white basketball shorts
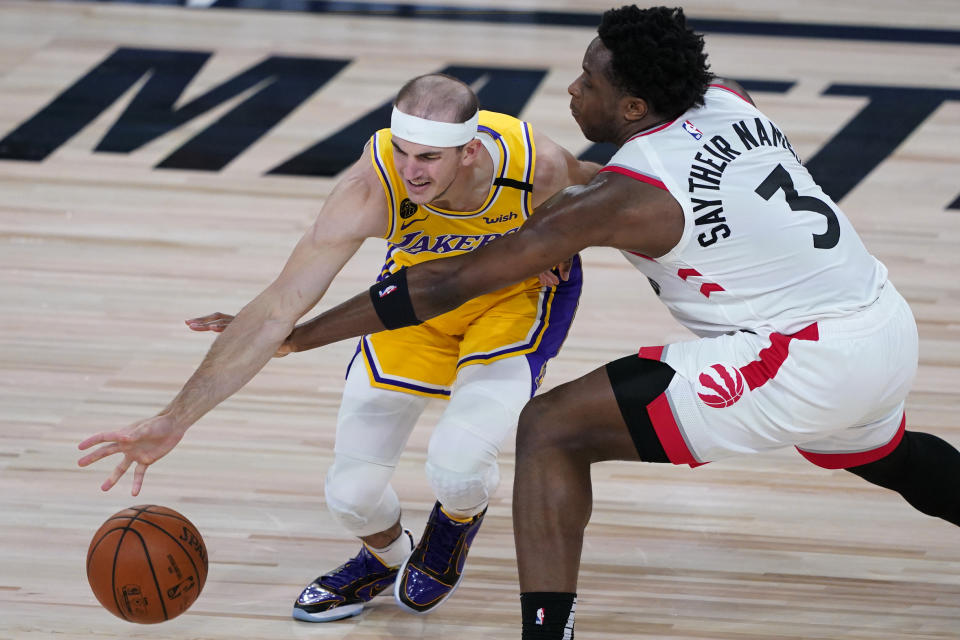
(835, 390)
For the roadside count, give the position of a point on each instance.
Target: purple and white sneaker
(435, 568)
(343, 592)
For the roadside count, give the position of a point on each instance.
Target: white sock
(397, 551)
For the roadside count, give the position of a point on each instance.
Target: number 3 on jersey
(779, 179)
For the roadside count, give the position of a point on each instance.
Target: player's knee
(540, 425)
(462, 455)
(462, 469)
(464, 492)
(359, 497)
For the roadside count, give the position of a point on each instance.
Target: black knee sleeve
(925, 470)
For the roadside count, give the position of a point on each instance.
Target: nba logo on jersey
(388, 290)
(692, 130)
(540, 616)
(719, 385)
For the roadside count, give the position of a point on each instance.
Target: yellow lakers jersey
(417, 233)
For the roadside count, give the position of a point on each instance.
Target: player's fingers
(209, 321)
(197, 325)
(138, 474)
(99, 454)
(98, 438)
(118, 472)
(547, 279)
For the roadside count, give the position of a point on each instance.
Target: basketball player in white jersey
(802, 339)
(444, 179)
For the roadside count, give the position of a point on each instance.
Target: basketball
(147, 564)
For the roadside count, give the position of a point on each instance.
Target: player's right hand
(560, 272)
(143, 442)
(218, 322)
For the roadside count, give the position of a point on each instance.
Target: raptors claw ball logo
(719, 385)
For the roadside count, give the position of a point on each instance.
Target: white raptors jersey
(763, 248)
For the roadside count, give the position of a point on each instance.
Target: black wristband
(391, 301)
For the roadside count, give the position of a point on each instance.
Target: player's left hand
(211, 322)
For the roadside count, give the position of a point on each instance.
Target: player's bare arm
(612, 210)
(355, 210)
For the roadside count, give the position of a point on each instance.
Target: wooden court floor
(104, 251)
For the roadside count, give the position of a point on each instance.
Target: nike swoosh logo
(404, 225)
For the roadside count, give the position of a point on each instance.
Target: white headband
(432, 133)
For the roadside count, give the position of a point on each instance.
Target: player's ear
(634, 109)
(470, 152)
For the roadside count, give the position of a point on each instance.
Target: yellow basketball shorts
(519, 321)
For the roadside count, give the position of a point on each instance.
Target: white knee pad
(372, 429)
(359, 496)
(483, 411)
(463, 494)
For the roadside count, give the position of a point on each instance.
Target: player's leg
(925, 470)
(462, 469)
(560, 434)
(503, 356)
(372, 429)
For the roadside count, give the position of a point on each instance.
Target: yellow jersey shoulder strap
(381, 155)
(516, 137)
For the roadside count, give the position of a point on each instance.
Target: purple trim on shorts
(397, 383)
(553, 324)
(564, 309)
(352, 359)
(541, 323)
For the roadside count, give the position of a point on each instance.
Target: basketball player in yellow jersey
(445, 179)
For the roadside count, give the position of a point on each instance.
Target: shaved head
(438, 97)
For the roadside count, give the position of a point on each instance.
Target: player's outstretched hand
(219, 321)
(143, 442)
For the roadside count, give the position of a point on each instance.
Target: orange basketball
(147, 564)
